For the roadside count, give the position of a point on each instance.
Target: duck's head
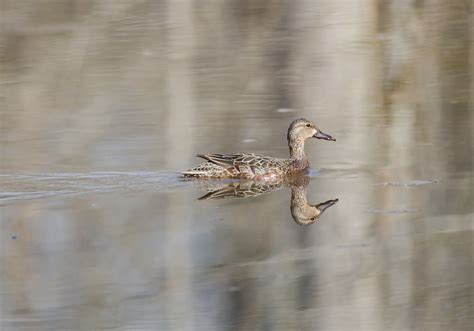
(302, 129)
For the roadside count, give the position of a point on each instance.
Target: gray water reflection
(105, 101)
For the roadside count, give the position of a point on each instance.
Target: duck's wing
(239, 160)
(229, 160)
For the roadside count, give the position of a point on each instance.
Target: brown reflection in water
(302, 212)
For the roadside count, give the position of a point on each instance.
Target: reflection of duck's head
(309, 214)
(302, 212)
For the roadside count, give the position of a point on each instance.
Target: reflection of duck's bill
(325, 205)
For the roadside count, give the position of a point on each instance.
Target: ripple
(416, 182)
(24, 186)
(391, 211)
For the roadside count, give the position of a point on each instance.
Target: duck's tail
(206, 170)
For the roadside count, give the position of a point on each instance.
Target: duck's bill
(325, 205)
(322, 135)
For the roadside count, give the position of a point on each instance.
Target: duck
(261, 167)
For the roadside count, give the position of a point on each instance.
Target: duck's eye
(308, 125)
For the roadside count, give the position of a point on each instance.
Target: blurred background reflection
(103, 101)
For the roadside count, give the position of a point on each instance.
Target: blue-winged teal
(259, 167)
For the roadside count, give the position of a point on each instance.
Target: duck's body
(241, 165)
(260, 167)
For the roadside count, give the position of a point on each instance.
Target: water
(105, 102)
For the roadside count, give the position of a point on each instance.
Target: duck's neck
(297, 154)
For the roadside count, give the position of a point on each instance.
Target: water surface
(105, 102)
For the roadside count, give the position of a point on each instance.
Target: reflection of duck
(302, 212)
(238, 189)
(259, 167)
